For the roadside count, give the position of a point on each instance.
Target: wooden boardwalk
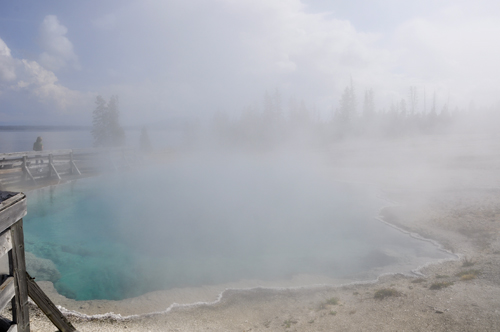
(27, 170)
(34, 168)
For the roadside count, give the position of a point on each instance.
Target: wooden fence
(19, 167)
(34, 167)
(16, 284)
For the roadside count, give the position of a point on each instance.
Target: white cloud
(43, 84)
(58, 49)
(226, 53)
(29, 77)
(197, 56)
(7, 64)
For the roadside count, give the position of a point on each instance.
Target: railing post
(52, 168)
(18, 285)
(50, 163)
(20, 309)
(24, 166)
(73, 165)
(26, 170)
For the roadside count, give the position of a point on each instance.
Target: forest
(273, 122)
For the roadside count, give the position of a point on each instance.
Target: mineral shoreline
(460, 304)
(459, 207)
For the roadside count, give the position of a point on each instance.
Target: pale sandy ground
(457, 204)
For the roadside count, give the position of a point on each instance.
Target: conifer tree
(413, 100)
(347, 105)
(116, 132)
(99, 132)
(106, 129)
(368, 104)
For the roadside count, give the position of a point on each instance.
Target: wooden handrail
(32, 154)
(19, 284)
(31, 166)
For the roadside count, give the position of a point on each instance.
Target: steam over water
(199, 221)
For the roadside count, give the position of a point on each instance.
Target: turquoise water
(196, 222)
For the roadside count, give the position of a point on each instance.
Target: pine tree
(368, 104)
(99, 132)
(347, 105)
(413, 100)
(106, 129)
(116, 132)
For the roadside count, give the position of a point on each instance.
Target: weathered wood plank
(8, 198)
(5, 161)
(6, 171)
(18, 156)
(52, 168)
(26, 169)
(45, 154)
(48, 307)
(7, 292)
(13, 212)
(13, 328)
(10, 170)
(73, 165)
(32, 154)
(21, 166)
(5, 243)
(20, 309)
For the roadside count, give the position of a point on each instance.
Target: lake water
(17, 141)
(203, 220)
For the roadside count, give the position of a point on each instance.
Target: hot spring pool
(197, 222)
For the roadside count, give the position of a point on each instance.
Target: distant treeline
(273, 124)
(43, 128)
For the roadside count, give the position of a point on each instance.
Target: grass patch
(385, 292)
(288, 323)
(418, 281)
(468, 274)
(467, 263)
(466, 277)
(441, 276)
(333, 313)
(332, 301)
(440, 285)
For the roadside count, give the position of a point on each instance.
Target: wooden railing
(55, 164)
(16, 284)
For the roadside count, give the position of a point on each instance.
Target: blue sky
(170, 59)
